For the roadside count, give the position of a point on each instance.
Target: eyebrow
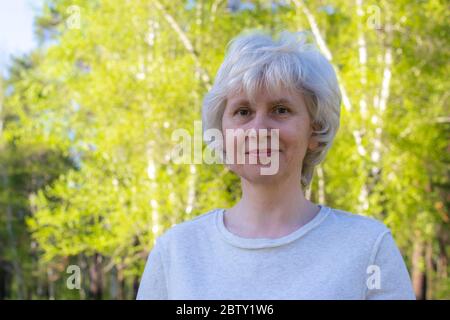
(247, 103)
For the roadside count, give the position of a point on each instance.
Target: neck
(271, 208)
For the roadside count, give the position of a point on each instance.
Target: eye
(242, 112)
(282, 108)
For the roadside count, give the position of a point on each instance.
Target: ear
(313, 143)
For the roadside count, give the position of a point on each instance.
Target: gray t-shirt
(336, 255)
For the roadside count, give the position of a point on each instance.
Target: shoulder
(189, 230)
(348, 219)
(355, 226)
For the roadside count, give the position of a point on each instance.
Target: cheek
(294, 139)
(225, 126)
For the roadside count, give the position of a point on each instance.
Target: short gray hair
(254, 60)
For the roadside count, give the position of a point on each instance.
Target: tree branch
(186, 42)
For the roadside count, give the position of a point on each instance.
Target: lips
(262, 151)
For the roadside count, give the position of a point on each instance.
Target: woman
(274, 243)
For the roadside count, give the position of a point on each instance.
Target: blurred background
(91, 92)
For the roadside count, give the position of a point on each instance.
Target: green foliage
(88, 117)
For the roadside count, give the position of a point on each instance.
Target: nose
(259, 129)
(260, 121)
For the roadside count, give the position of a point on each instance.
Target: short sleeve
(153, 282)
(387, 275)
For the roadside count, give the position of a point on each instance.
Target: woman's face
(287, 113)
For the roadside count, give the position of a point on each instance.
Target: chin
(252, 173)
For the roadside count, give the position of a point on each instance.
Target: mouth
(262, 151)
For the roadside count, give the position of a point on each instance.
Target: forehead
(282, 95)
